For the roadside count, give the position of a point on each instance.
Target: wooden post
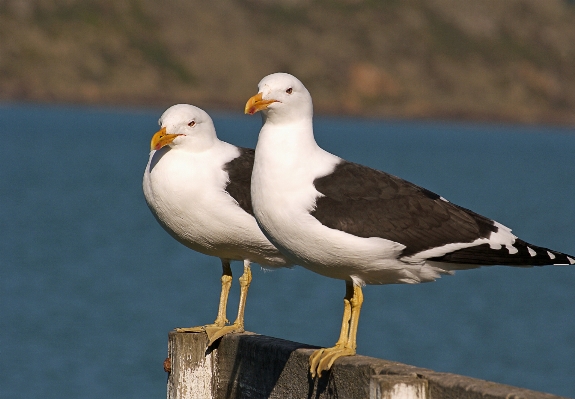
(191, 369)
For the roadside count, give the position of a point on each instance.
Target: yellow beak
(257, 103)
(161, 139)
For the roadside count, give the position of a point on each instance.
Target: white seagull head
(185, 126)
(281, 98)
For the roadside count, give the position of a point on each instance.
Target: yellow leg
(221, 319)
(245, 281)
(356, 303)
(322, 359)
(344, 333)
(238, 326)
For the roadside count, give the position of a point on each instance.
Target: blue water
(90, 285)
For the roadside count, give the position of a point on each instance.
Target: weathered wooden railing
(255, 366)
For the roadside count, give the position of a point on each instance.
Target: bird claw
(198, 329)
(314, 360)
(213, 331)
(322, 359)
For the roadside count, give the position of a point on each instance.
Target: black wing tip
(526, 255)
(543, 256)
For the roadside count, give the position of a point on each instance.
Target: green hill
(508, 60)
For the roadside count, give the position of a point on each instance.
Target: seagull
(198, 189)
(350, 222)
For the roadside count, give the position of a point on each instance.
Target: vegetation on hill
(508, 60)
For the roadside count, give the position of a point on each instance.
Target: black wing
(240, 174)
(369, 203)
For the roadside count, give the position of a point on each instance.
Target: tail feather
(526, 255)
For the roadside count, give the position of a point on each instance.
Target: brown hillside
(474, 59)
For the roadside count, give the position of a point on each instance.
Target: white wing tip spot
(512, 250)
(571, 260)
(551, 256)
(443, 199)
(531, 251)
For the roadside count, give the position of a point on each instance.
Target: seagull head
(184, 125)
(281, 97)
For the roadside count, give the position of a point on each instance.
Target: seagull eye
(192, 124)
(289, 91)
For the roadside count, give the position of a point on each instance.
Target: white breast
(186, 192)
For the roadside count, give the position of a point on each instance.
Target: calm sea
(90, 285)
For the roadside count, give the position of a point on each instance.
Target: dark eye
(288, 91)
(192, 124)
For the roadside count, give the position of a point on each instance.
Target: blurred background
(474, 100)
(509, 60)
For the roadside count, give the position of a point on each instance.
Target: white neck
(196, 143)
(287, 160)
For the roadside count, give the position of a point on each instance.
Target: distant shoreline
(502, 61)
(559, 121)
